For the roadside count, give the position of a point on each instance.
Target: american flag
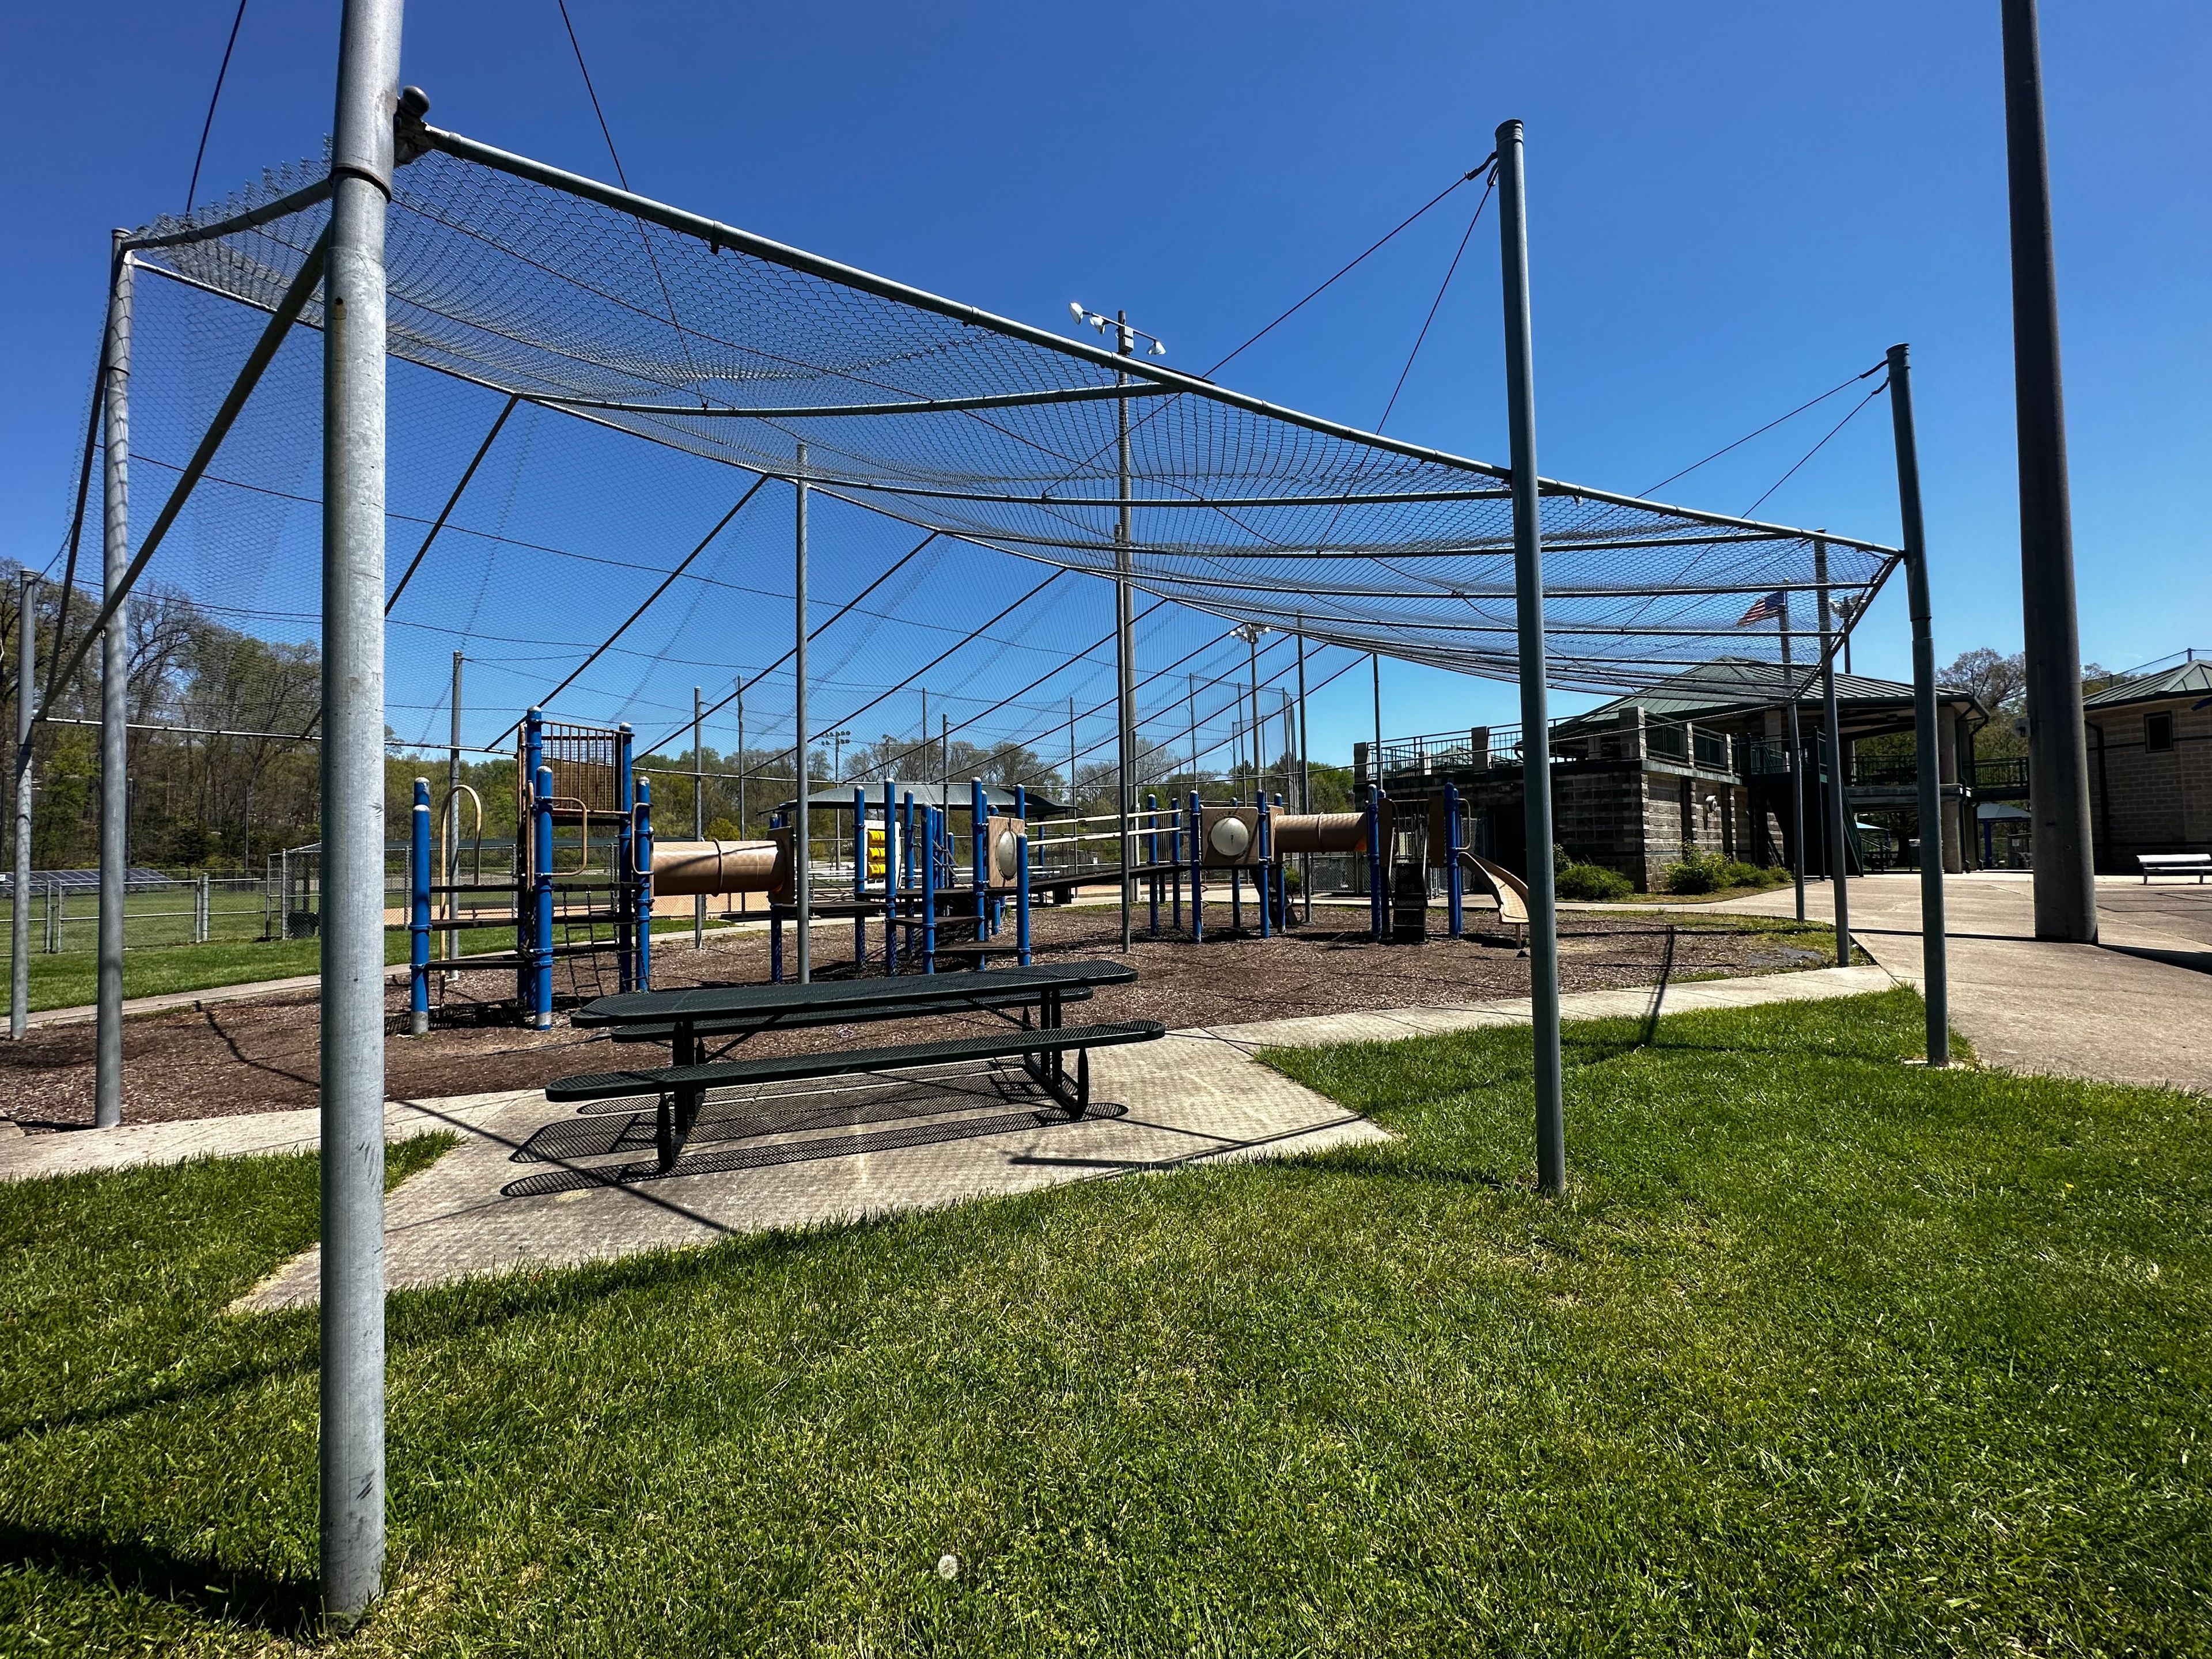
(1764, 610)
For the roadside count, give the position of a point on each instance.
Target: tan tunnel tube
(682, 868)
(1318, 832)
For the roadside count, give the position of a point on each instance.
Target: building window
(2158, 731)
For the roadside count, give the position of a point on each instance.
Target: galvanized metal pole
(745, 899)
(1839, 858)
(1191, 709)
(1375, 756)
(1934, 964)
(453, 874)
(1125, 672)
(1305, 778)
(2064, 854)
(353, 812)
(698, 811)
(1797, 761)
(114, 710)
(19, 895)
(1535, 732)
(802, 873)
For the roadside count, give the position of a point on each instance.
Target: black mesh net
(645, 345)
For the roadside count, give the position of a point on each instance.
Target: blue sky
(1733, 206)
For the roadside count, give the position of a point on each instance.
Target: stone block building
(2150, 763)
(1702, 761)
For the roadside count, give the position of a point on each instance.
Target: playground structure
(943, 894)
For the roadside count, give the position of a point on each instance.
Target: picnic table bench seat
(805, 1018)
(2198, 864)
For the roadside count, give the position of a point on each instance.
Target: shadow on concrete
(2197, 962)
(627, 1176)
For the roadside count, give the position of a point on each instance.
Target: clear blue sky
(1733, 206)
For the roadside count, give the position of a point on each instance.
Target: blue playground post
(1197, 872)
(859, 874)
(642, 887)
(1375, 861)
(1022, 879)
(932, 823)
(627, 976)
(542, 947)
(1175, 869)
(418, 912)
(1259, 872)
(891, 881)
(979, 840)
(1455, 887)
(1152, 858)
(1279, 875)
(775, 924)
(909, 873)
(525, 871)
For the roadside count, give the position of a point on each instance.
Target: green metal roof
(1729, 685)
(2187, 679)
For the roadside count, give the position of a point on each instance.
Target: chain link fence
(158, 910)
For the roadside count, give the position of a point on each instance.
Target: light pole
(1251, 633)
(2058, 755)
(1124, 670)
(837, 742)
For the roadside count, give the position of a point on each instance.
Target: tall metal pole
(1934, 964)
(1259, 751)
(1125, 669)
(744, 901)
(2064, 855)
(114, 710)
(698, 811)
(1305, 778)
(353, 812)
(1192, 710)
(19, 896)
(1528, 593)
(1375, 758)
(1796, 761)
(1839, 858)
(802, 876)
(452, 874)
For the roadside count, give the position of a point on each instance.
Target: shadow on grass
(279, 1607)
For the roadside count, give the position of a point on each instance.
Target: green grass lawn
(1822, 1353)
(70, 979)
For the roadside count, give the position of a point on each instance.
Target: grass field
(70, 979)
(1823, 1353)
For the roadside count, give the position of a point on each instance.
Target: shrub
(1694, 873)
(1699, 871)
(1591, 882)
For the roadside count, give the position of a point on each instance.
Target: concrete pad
(950, 1137)
(2135, 1007)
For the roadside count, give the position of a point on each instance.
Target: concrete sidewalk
(533, 1184)
(2137, 1007)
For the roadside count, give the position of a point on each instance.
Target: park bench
(687, 1019)
(2198, 864)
